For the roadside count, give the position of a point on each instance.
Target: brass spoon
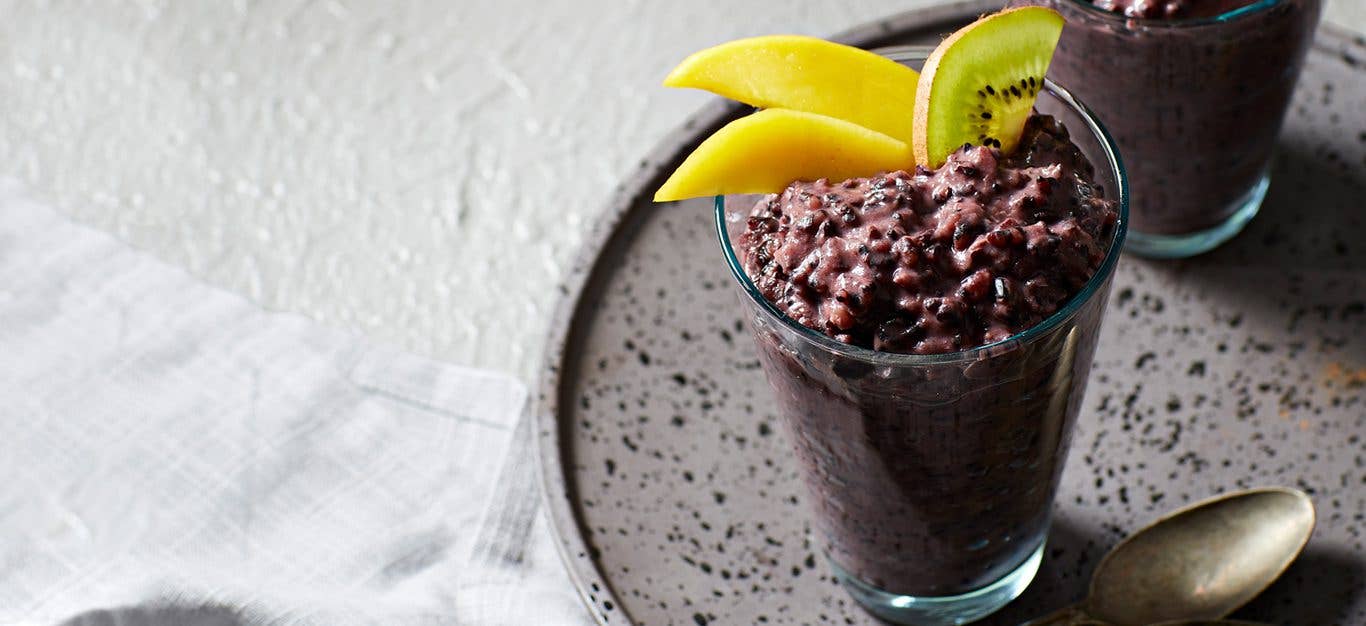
(1197, 564)
(1198, 622)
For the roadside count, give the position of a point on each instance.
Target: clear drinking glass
(1195, 106)
(931, 477)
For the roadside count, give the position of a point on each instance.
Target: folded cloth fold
(173, 454)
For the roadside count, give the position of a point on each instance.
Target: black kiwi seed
(995, 107)
(996, 113)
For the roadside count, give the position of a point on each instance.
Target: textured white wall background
(418, 171)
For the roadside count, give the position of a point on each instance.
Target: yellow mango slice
(763, 152)
(807, 74)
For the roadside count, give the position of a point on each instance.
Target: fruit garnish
(979, 85)
(807, 74)
(764, 152)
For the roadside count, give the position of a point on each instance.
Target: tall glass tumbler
(931, 477)
(1195, 106)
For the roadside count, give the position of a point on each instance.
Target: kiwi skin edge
(920, 139)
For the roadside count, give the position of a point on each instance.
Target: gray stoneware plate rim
(592, 587)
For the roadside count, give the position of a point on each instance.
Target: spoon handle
(1066, 616)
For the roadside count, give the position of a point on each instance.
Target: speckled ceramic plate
(676, 499)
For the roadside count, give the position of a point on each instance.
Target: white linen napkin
(172, 454)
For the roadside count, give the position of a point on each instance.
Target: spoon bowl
(1194, 566)
(1204, 561)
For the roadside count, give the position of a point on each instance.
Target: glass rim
(1102, 274)
(1157, 22)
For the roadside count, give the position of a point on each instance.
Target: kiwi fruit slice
(979, 85)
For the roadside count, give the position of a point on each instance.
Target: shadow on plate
(1311, 220)
(1301, 264)
(1070, 557)
(1322, 587)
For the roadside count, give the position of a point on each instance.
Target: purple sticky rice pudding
(927, 335)
(1194, 92)
(1171, 9)
(935, 261)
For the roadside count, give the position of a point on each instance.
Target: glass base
(941, 610)
(1191, 244)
